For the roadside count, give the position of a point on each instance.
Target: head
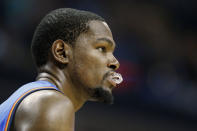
(80, 43)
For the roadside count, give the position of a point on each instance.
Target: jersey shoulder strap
(8, 108)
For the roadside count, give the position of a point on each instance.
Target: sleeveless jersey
(8, 107)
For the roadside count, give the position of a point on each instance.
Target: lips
(114, 78)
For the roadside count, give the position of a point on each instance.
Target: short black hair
(64, 23)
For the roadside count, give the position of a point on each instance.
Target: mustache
(107, 74)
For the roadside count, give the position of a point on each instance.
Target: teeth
(116, 78)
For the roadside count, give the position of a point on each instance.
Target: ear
(60, 51)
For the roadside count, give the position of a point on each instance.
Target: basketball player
(73, 52)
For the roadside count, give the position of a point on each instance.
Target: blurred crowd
(156, 46)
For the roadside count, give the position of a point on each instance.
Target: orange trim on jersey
(9, 116)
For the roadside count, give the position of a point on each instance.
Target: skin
(86, 65)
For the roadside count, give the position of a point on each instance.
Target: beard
(102, 95)
(97, 93)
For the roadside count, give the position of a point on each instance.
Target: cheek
(90, 66)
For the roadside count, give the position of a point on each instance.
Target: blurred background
(156, 46)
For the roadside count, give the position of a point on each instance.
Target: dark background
(156, 46)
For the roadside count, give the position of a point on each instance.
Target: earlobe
(60, 51)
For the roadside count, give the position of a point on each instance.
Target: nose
(113, 64)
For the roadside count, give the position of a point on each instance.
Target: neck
(58, 77)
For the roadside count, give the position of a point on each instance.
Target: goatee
(102, 95)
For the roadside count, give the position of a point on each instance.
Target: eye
(102, 49)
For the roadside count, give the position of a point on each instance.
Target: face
(93, 60)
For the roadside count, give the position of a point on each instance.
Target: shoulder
(45, 110)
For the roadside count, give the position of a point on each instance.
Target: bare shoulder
(45, 110)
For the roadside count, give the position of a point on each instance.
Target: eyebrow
(107, 40)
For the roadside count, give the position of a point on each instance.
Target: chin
(101, 94)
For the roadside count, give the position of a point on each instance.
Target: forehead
(99, 29)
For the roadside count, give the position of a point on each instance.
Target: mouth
(114, 78)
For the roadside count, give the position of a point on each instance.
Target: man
(73, 52)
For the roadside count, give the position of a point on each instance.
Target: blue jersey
(8, 108)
